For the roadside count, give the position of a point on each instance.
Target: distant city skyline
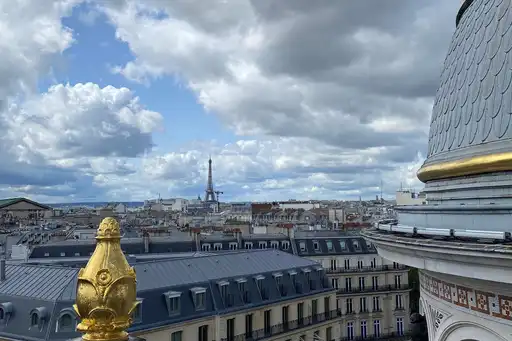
(120, 102)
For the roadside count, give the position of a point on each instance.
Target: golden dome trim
(469, 166)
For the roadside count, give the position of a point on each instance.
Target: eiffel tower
(210, 193)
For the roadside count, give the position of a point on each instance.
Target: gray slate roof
(473, 102)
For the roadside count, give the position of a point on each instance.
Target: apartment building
(372, 292)
(239, 295)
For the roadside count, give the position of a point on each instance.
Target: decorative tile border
(472, 299)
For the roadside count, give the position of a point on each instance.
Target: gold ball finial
(106, 289)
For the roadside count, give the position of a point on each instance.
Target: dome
(470, 131)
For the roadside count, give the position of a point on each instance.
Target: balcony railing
(366, 269)
(389, 337)
(382, 288)
(285, 327)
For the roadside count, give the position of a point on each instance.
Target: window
(274, 245)
(300, 313)
(316, 335)
(47, 254)
(314, 308)
(396, 265)
(77, 254)
(328, 334)
(248, 326)
(302, 246)
(348, 284)
(206, 247)
(242, 288)
(2, 314)
(398, 281)
(362, 305)
(263, 245)
(259, 285)
(375, 282)
(348, 306)
(285, 316)
(34, 319)
(66, 322)
(361, 283)
(63, 254)
(248, 246)
(199, 297)
(203, 333)
(343, 245)
(217, 247)
(347, 264)
(316, 246)
(363, 329)
(376, 328)
(137, 313)
(278, 277)
(333, 264)
(400, 325)
(177, 336)
(233, 246)
(329, 246)
(376, 303)
(373, 263)
(223, 287)
(350, 330)
(327, 304)
(356, 245)
(286, 245)
(266, 321)
(359, 264)
(334, 282)
(230, 329)
(398, 302)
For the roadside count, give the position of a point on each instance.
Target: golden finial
(106, 290)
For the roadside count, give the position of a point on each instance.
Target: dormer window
(316, 245)
(263, 245)
(199, 295)
(356, 245)
(248, 245)
(63, 254)
(233, 246)
(217, 246)
(242, 288)
(286, 245)
(47, 254)
(205, 247)
(329, 246)
(274, 245)
(38, 317)
(343, 245)
(6, 310)
(66, 321)
(137, 312)
(173, 302)
(302, 246)
(259, 284)
(223, 287)
(278, 277)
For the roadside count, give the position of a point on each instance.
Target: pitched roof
(12, 201)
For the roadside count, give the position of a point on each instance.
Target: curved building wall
(473, 105)
(458, 308)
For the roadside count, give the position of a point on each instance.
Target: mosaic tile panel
(472, 299)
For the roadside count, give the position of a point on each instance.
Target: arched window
(34, 319)
(66, 321)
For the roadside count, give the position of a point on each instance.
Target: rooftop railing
(380, 337)
(285, 327)
(366, 269)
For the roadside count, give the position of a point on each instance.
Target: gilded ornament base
(470, 166)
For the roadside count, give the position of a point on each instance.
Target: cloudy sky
(126, 99)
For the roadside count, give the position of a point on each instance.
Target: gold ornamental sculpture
(106, 290)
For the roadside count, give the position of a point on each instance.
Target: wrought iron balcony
(342, 270)
(381, 337)
(287, 327)
(380, 288)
